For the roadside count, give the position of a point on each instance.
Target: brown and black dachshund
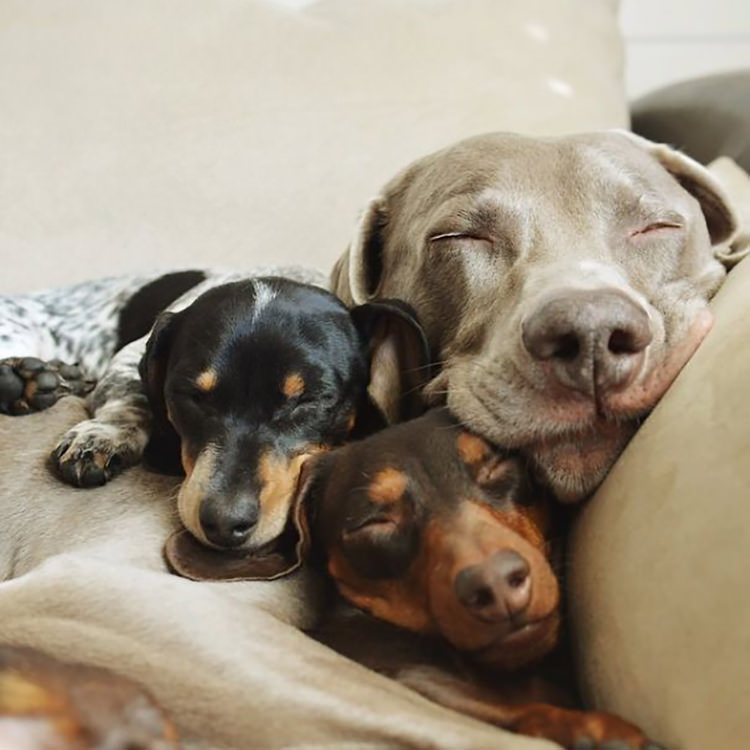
(427, 527)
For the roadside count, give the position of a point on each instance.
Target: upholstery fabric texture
(173, 133)
(658, 589)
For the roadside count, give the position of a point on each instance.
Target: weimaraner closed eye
(563, 284)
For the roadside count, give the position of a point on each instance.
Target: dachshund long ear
(163, 449)
(398, 355)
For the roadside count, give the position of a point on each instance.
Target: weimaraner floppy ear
(357, 274)
(398, 355)
(721, 219)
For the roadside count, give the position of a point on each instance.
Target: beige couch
(175, 132)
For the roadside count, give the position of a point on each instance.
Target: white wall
(671, 40)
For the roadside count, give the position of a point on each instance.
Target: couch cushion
(235, 132)
(660, 558)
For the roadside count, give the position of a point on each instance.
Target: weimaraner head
(563, 283)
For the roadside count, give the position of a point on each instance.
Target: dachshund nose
(497, 589)
(594, 340)
(228, 523)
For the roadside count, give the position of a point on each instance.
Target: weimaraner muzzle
(563, 284)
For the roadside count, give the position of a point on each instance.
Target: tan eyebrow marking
(388, 486)
(207, 380)
(471, 449)
(294, 385)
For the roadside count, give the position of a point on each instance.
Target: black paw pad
(28, 384)
(11, 385)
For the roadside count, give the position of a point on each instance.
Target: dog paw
(585, 730)
(93, 452)
(28, 384)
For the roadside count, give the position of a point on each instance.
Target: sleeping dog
(562, 282)
(236, 384)
(427, 527)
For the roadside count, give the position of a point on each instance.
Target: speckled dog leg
(97, 449)
(28, 384)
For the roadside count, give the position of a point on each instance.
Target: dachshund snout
(594, 340)
(228, 523)
(497, 589)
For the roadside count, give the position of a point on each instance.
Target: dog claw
(61, 450)
(87, 468)
(28, 384)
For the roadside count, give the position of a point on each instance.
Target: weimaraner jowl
(563, 284)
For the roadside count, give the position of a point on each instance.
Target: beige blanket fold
(84, 580)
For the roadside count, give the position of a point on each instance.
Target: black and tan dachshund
(427, 527)
(255, 376)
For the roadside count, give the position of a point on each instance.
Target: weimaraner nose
(594, 340)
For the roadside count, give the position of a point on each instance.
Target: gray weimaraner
(563, 283)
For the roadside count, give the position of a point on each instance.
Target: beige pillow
(236, 132)
(659, 589)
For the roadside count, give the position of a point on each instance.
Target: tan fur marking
(403, 602)
(188, 462)
(388, 486)
(294, 385)
(471, 449)
(279, 476)
(207, 380)
(194, 488)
